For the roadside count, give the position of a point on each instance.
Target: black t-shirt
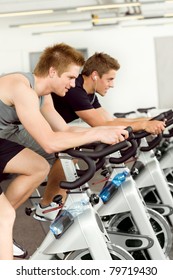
(76, 99)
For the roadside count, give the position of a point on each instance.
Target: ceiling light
(115, 19)
(73, 27)
(43, 24)
(41, 12)
(59, 31)
(111, 6)
(168, 15)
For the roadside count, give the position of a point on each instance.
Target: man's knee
(44, 167)
(9, 217)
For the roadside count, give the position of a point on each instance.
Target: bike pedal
(28, 211)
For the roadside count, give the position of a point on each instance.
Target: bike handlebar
(168, 115)
(161, 117)
(100, 151)
(170, 131)
(84, 178)
(152, 144)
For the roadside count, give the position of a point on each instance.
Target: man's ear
(51, 72)
(94, 76)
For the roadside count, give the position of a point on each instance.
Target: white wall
(136, 82)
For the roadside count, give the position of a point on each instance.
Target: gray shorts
(22, 137)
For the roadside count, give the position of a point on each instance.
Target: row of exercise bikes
(131, 217)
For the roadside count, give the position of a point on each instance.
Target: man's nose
(72, 83)
(111, 84)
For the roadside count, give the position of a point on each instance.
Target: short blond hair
(59, 56)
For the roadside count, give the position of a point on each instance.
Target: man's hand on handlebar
(154, 126)
(112, 134)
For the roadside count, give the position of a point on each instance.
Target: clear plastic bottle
(78, 207)
(66, 218)
(111, 187)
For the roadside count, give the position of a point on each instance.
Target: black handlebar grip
(159, 117)
(141, 134)
(164, 115)
(106, 150)
(152, 144)
(169, 134)
(170, 131)
(169, 122)
(125, 155)
(83, 179)
(98, 164)
(129, 129)
(168, 114)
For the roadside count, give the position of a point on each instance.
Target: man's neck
(41, 86)
(88, 85)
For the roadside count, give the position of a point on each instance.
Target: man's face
(61, 84)
(105, 82)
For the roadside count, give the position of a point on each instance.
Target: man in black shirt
(97, 76)
(76, 99)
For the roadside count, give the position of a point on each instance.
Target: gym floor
(29, 232)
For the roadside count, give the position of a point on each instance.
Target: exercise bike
(164, 154)
(126, 204)
(85, 233)
(145, 240)
(148, 174)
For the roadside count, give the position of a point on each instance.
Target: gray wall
(164, 69)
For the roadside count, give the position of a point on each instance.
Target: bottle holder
(61, 223)
(107, 192)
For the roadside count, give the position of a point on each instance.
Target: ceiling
(57, 15)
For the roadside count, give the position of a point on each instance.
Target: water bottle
(111, 187)
(66, 218)
(78, 207)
